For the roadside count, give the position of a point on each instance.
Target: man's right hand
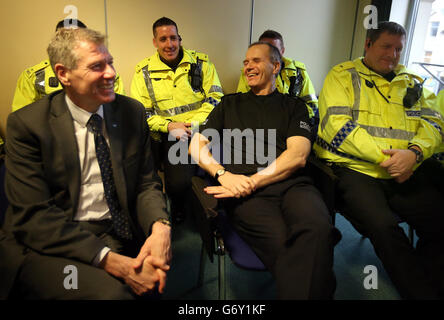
(238, 184)
(180, 130)
(142, 280)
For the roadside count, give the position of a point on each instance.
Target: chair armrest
(207, 201)
(325, 181)
(321, 167)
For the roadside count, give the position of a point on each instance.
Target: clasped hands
(400, 165)
(232, 186)
(149, 268)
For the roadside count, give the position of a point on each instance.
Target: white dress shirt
(92, 203)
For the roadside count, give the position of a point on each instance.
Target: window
(426, 54)
(434, 25)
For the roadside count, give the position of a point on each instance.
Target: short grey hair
(273, 52)
(62, 45)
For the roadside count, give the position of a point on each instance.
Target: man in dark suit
(87, 217)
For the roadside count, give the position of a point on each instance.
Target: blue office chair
(219, 237)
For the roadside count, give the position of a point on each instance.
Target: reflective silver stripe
(185, 108)
(149, 86)
(335, 110)
(380, 132)
(356, 82)
(216, 89)
(309, 97)
(431, 113)
(40, 82)
(178, 110)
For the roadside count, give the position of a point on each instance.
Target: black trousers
(289, 228)
(45, 277)
(178, 173)
(374, 207)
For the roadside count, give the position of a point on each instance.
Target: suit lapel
(64, 135)
(113, 116)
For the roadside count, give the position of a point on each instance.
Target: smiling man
(276, 210)
(82, 189)
(293, 78)
(39, 80)
(178, 87)
(377, 126)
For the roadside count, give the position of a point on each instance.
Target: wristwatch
(219, 173)
(419, 155)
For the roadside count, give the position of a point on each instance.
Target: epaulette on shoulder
(200, 55)
(344, 66)
(39, 66)
(299, 65)
(142, 64)
(415, 75)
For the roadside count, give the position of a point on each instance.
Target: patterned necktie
(120, 220)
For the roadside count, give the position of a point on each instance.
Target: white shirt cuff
(99, 257)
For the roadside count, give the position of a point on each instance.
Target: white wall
(216, 28)
(317, 32)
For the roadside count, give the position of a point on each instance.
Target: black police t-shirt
(254, 129)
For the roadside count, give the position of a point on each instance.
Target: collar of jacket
(155, 64)
(288, 63)
(402, 73)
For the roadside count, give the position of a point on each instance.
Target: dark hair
(385, 26)
(164, 21)
(271, 34)
(273, 52)
(72, 22)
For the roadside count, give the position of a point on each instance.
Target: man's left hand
(158, 247)
(219, 192)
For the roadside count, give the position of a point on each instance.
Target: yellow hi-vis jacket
(439, 106)
(292, 71)
(357, 123)
(168, 95)
(38, 81)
